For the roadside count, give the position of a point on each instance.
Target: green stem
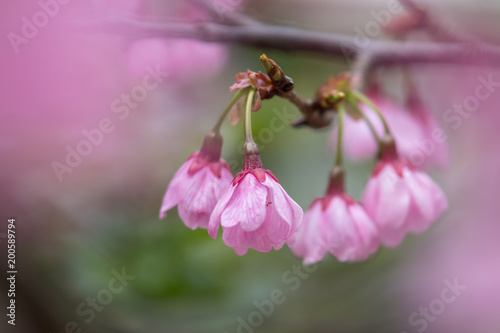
(338, 157)
(372, 130)
(248, 116)
(365, 100)
(353, 103)
(236, 97)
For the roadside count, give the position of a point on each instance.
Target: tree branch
(437, 28)
(224, 15)
(381, 53)
(367, 57)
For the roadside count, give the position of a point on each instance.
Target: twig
(382, 53)
(378, 53)
(224, 16)
(438, 30)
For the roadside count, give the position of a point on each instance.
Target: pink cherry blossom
(412, 130)
(336, 224)
(401, 199)
(358, 143)
(196, 188)
(255, 213)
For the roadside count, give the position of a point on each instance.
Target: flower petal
(175, 188)
(247, 206)
(360, 143)
(241, 240)
(307, 243)
(368, 239)
(339, 239)
(215, 217)
(428, 201)
(278, 230)
(422, 202)
(391, 199)
(387, 201)
(405, 129)
(285, 206)
(198, 199)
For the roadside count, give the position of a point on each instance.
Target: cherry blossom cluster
(254, 210)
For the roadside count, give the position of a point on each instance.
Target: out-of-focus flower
(185, 60)
(198, 185)
(336, 224)
(401, 199)
(359, 143)
(255, 212)
(412, 129)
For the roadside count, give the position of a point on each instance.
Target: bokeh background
(101, 217)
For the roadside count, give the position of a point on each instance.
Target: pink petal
(439, 198)
(369, 240)
(392, 237)
(278, 230)
(215, 217)
(422, 201)
(284, 209)
(241, 240)
(359, 143)
(200, 197)
(429, 201)
(175, 188)
(386, 199)
(193, 218)
(339, 238)
(247, 206)
(307, 243)
(405, 129)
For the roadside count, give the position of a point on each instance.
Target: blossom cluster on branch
(254, 210)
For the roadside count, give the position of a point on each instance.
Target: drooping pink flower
(198, 185)
(401, 199)
(413, 130)
(255, 212)
(336, 224)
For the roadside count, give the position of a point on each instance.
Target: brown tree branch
(367, 57)
(437, 28)
(224, 13)
(381, 53)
